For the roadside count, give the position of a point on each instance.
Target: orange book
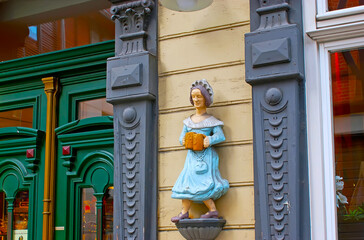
(189, 140)
(194, 141)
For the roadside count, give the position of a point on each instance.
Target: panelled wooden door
(75, 194)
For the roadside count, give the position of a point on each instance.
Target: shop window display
(21, 215)
(107, 214)
(347, 76)
(3, 217)
(89, 214)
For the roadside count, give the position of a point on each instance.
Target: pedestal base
(200, 229)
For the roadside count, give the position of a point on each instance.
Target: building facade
(206, 44)
(93, 94)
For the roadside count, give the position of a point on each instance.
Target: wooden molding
(338, 32)
(51, 90)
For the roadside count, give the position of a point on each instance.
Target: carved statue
(200, 179)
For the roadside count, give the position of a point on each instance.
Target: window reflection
(347, 76)
(94, 108)
(88, 214)
(340, 4)
(33, 32)
(3, 217)
(20, 213)
(17, 118)
(23, 41)
(107, 216)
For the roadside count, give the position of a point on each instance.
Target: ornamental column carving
(274, 68)
(132, 88)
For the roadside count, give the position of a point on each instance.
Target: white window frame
(327, 18)
(325, 32)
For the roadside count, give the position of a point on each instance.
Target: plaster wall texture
(206, 44)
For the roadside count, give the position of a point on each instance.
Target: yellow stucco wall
(206, 44)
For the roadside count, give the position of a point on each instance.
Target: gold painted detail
(204, 30)
(51, 89)
(200, 68)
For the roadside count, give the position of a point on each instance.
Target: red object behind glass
(347, 77)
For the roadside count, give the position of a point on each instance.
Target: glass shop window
(89, 214)
(347, 74)
(3, 217)
(17, 118)
(89, 227)
(24, 41)
(340, 4)
(107, 214)
(21, 215)
(94, 108)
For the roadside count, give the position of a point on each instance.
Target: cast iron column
(132, 88)
(275, 69)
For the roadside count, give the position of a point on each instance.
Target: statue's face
(197, 98)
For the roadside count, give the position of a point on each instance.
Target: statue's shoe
(211, 214)
(180, 216)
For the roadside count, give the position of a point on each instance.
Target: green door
(21, 152)
(82, 190)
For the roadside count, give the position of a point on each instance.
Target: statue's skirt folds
(200, 178)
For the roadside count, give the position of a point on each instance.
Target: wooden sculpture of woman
(200, 179)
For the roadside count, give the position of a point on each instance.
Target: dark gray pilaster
(274, 67)
(132, 88)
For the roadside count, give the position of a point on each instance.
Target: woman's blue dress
(200, 178)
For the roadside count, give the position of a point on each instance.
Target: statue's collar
(208, 122)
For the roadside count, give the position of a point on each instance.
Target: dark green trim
(16, 87)
(14, 147)
(81, 95)
(92, 138)
(106, 121)
(20, 139)
(82, 179)
(77, 88)
(49, 64)
(81, 77)
(26, 181)
(19, 131)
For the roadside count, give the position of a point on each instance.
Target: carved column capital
(133, 17)
(273, 14)
(50, 84)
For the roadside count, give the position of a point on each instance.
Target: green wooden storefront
(83, 148)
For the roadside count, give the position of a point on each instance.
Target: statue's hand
(183, 141)
(206, 142)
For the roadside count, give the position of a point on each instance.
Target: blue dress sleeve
(183, 133)
(217, 135)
